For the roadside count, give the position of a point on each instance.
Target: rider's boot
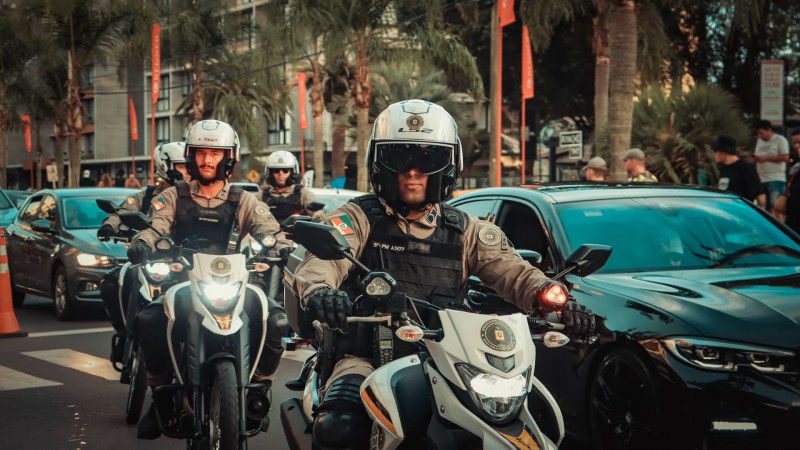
(149, 427)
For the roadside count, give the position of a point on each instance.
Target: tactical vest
(147, 199)
(429, 269)
(217, 227)
(282, 207)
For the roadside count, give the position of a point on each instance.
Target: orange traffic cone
(9, 327)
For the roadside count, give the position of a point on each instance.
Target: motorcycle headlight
(729, 356)
(378, 285)
(92, 260)
(497, 399)
(157, 271)
(219, 297)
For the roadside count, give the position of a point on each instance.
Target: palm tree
(622, 79)
(88, 32)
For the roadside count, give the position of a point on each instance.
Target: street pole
(495, 94)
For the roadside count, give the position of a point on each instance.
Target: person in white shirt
(771, 155)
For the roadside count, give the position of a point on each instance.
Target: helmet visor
(402, 157)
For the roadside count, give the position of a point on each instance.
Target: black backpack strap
(234, 197)
(148, 198)
(371, 206)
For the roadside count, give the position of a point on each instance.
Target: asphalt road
(59, 391)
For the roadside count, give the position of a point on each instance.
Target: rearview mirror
(291, 220)
(136, 221)
(107, 206)
(588, 259)
(42, 225)
(315, 206)
(324, 241)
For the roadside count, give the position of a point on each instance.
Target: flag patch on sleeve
(343, 224)
(131, 200)
(159, 204)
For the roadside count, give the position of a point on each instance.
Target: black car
(699, 306)
(53, 250)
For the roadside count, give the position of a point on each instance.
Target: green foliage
(677, 130)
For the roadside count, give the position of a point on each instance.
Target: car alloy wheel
(624, 404)
(61, 295)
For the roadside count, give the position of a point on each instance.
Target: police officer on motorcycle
(429, 247)
(170, 167)
(213, 216)
(284, 194)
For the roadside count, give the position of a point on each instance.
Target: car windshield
(83, 212)
(674, 233)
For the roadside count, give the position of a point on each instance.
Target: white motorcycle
(468, 385)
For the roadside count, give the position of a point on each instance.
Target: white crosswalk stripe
(11, 380)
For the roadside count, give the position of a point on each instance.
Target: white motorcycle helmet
(414, 134)
(167, 155)
(215, 135)
(282, 160)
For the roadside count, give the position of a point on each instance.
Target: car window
(650, 234)
(480, 208)
(522, 226)
(31, 211)
(47, 210)
(5, 203)
(83, 212)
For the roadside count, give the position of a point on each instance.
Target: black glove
(139, 252)
(578, 320)
(105, 232)
(284, 252)
(331, 306)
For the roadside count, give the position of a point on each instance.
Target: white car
(334, 198)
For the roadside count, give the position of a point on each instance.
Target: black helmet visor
(402, 157)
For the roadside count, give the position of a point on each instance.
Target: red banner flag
(155, 65)
(301, 99)
(505, 12)
(134, 124)
(527, 65)
(26, 125)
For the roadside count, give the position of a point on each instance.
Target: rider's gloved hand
(105, 232)
(578, 320)
(139, 252)
(331, 306)
(284, 252)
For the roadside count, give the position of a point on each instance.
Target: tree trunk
(74, 115)
(317, 110)
(363, 97)
(622, 78)
(494, 101)
(600, 44)
(338, 154)
(58, 150)
(39, 157)
(3, 122)
(198, 96)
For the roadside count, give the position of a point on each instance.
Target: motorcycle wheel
(223, 421)
(136, 390)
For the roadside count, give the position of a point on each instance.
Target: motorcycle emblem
(498, 336)
(220, 266)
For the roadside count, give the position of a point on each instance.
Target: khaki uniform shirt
(487, 255)
(644, 177)
(133, 204)
(254, 216)
(306, 197)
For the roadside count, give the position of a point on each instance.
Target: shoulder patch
(343, 224)
(131, 200)
(489, 235)
(261, 210)
(159, 204)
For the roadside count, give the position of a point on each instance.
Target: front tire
(62, 298)
(223, 421)
(137, 389)
(625, 408)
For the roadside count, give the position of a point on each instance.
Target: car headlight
(498, 399)
(157, 271)
(219, 297)
(92, 260)
(729, 356)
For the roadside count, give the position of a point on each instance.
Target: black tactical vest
(217, 227)
(429, 269)
(147, 199)
(282, 207)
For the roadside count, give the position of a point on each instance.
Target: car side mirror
(42, 225)
(531, 256)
